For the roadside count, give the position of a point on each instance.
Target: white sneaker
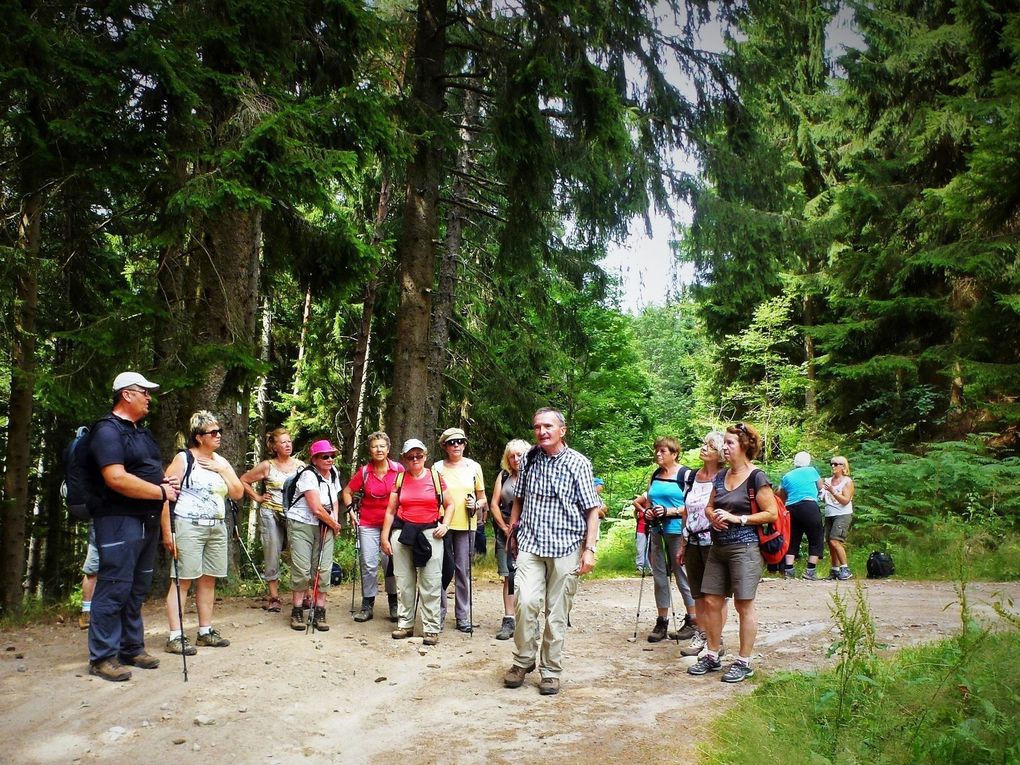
(696, 646)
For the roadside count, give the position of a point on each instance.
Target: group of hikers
(415, 524)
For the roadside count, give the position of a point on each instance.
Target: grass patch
(946, 702)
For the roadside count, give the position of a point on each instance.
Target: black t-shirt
(115, 441)
(738, 503)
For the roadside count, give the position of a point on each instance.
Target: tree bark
(306, 315)
(261, 401)
(416, 246)
(14, 509)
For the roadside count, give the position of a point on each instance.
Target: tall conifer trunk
(14, 509)
(416, 255)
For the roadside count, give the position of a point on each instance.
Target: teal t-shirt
(800, 484)
(666, 492)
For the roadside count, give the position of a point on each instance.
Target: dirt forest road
(354, 695)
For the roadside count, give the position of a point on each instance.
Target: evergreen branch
(474, 207)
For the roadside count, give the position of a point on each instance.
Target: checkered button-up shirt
(557, 493)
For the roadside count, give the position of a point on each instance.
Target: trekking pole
(237, 536)
(359, 567)
(641, 590)
(177, 583)
(471, 585)
(315, 578)
(669, 582)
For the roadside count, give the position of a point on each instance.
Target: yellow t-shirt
(461, 479)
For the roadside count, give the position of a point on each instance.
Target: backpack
(82, 488)
(773, 538)
(880, 565)
(290, 484)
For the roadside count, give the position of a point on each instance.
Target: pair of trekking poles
(657, 529)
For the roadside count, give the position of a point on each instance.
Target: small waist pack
(880, 565)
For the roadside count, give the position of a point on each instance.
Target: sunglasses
(415, 457)
(213, 432)
(456, 442)
(835, 464)
(325, 456)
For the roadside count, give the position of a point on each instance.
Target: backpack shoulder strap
(189, 462)
(438, 487)
(652, 477)
(751, 490)
(688, 483)
(399, 483)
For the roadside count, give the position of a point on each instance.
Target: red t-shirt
(377, 493)
(418, 499)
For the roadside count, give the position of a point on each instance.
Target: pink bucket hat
(322, 447)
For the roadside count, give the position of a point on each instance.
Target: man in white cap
(125, 515)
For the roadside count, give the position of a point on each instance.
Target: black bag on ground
(880, 565)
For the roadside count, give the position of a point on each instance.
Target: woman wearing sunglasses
(838, 495)
(312, 525)
(734, 562)
(466, 486)
(200, 530)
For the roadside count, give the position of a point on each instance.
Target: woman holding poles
(373, 483)
(503, 495)
(312, 525)
(662, 506)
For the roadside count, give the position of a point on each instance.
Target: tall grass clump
(953, 701)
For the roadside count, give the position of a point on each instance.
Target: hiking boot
(141, 660)
(275, 606)
(319, 619)
(213, 639)
(844, 574)
(393, 607)
(179, 645)
(687, 629)
(110, 669)
(738, 672)
(465, 627)
(514, 677)
(789, 573)
(705, 665)
(402, 633)
(697, 644)
(659, 631)
(549, 686)
(431, 638)
(833, 573)
(367, 607)
(84, 619)
(297, 618)
(811, 574)
(506, 629)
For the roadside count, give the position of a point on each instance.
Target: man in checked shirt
(555, 523)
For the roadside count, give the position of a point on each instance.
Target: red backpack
(773, 538)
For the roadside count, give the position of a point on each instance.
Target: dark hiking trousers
(127, 550)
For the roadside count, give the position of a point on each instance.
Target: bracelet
(162, 490)
(590, 549)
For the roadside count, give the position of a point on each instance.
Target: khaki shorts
(838, 526)
(201, 550)
(733, 570)
(305, 541)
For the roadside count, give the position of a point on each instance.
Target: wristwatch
(743, 520)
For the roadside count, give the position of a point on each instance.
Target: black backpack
(880, 565)
(83, 483)
(291, 484)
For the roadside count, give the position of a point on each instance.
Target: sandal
(274, 605)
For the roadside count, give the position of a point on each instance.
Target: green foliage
(951, 701)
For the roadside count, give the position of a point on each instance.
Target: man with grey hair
(555, 524)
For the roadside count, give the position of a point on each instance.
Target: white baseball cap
(127, 379)
(412, 443)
